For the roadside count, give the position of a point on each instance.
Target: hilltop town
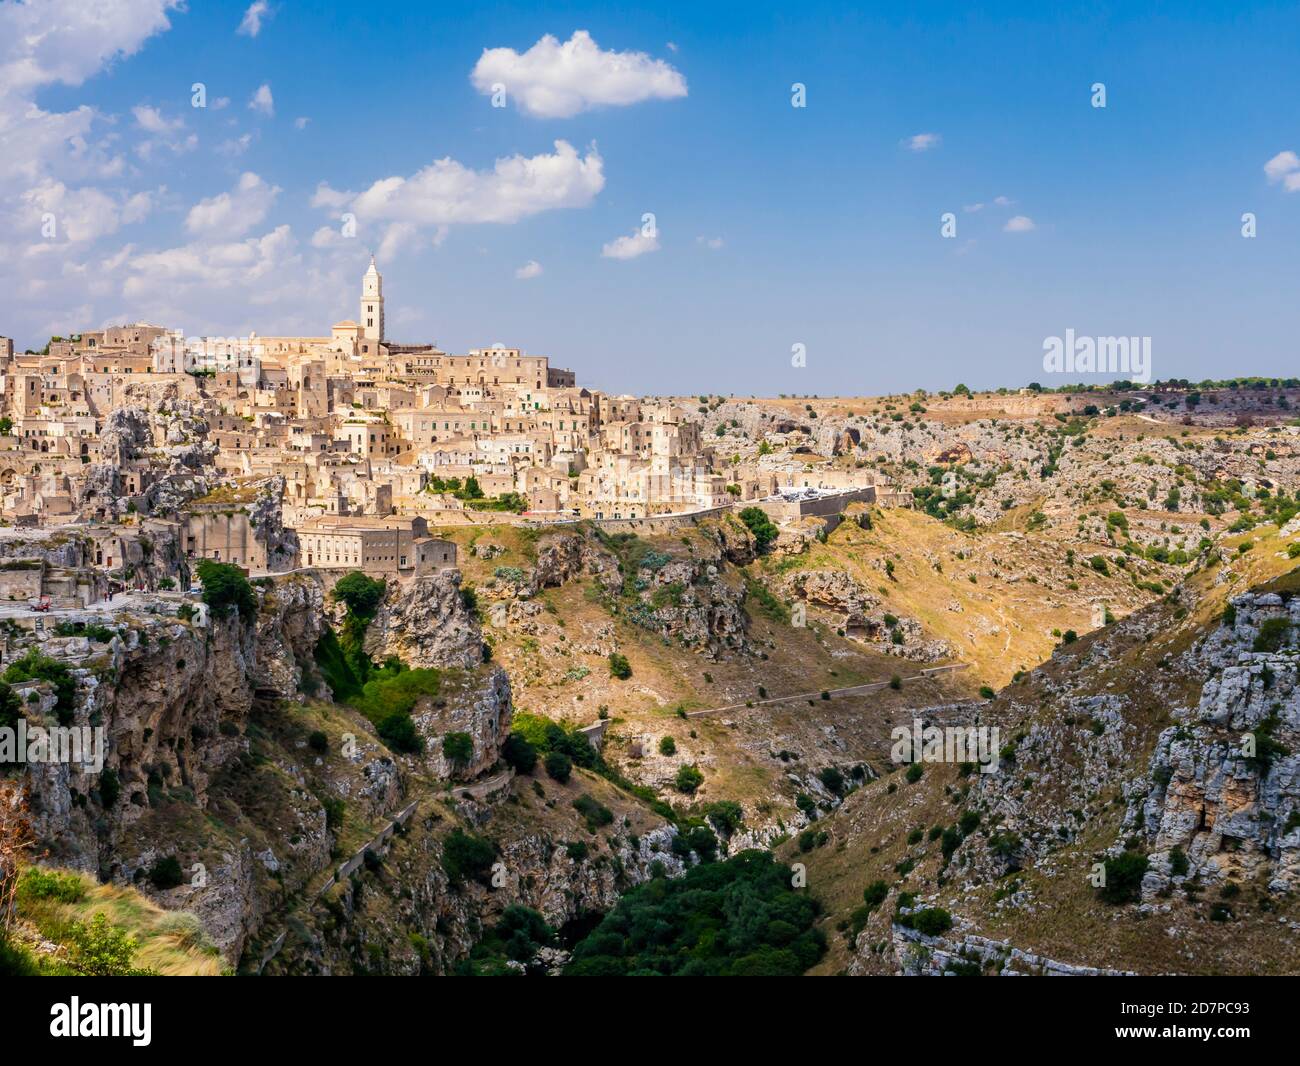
(339, 451)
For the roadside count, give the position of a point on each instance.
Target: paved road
(849, 690)
(123, 601)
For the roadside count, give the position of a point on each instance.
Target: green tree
(760, 525)
(360, 594)
(519, 754)
(226, 589)
(558, 766)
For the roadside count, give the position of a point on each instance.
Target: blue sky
(776, 226)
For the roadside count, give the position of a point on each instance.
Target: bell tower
(372, 304)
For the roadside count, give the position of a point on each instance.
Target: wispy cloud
(251, 24)
(1285, 168)
(922, 142)
(630, 247)
(531, 269)
(262, 100)
(1019, 224)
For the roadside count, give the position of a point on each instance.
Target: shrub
(166, 873)
(226, 589)
(519, 754)
(360, 594)
(558, 766)
(37, 666)
(1124, 878)
(318, 742)
(37, 883)
(874, 894)
(458, 748)
(399, 733)
(914, 773)
(619, 667)
(688, 779)
(467, 857)
(667, 746)
(1272, 635)
(759, 524)
(110, 787)
(100, 949)
(931, 921)
(1178, 864)
(595, 812)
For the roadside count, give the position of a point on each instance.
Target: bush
(318, 742)
(595, 812)
(558, 766)
(360, 594)
(667, 746)
(226, 589)
(36, 884)
(110, 787)
(458, 748)
(399, 733)
(914, 773)
(467, 857)
(1272, 635)
(101, 949)
(36, 666)
(519, 754)
(688, 779)
(931, 921)
(759, 524)
(166, 873)
(619, 667)
(1124, 878)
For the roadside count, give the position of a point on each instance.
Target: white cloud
(209, 265)
(1019, 224)
(220, 103)
(235, 146)
(162, 132)
(233, 213)
(1003, 201)
(328, 198)
(82, 214)
(151, 120)
(301, 122)
(62, 42)
(923, 142)
(630, 247)
(1284, 167)
(447, 193)
(251, 24)
(973, 208)
(531, 269)
(712, 243)
(554, 80)
(262, 100)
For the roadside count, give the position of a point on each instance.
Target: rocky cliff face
(1225, 781)
(425, 622)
